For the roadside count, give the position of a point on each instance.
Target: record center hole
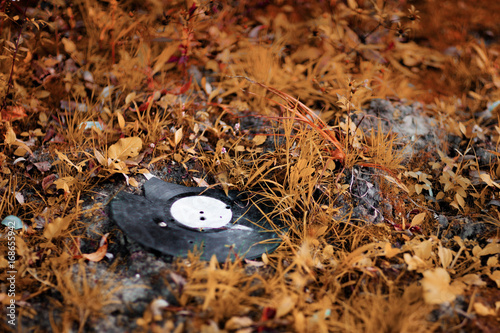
(202, 218)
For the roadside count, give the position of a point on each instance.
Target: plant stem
(9, 83)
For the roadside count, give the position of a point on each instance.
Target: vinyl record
(174, 219)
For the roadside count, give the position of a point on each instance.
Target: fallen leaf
(437, 288)
(56, 227)
(418, 219)
(390, 251)
(101, 251)
(64, 158)
(414, 263)
(286, 304)
(125, 148)
(445, 256)
(100, 158)
(200, 182)
(495, 276)
(178, 136)
(43, 166)
(10, 139)
(49, 180)
(484, 310)
(259, 139)
(492, 248)
(69, 45)
(236, 323)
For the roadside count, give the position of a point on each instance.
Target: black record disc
(174, 219)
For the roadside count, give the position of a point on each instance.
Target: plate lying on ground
(174, 219)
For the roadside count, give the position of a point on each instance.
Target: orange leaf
(12, 113)
(101, 251)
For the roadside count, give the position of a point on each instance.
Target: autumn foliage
(372, 126)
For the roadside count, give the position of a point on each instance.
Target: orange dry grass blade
(306, 115)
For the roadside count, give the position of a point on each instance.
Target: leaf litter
(375, 138)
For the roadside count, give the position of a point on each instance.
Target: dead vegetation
(392, 216)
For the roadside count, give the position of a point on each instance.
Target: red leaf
(49, 180)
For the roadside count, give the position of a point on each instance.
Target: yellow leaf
(495, 276)
(178, 136)
(130, 97)
(328, 251)
(390, 251)
(63, 183)
(133, 182)
(69, 46)
(259, 139)
(307, 172)
(178, 158)
(424, 249)
(483, 310)
(399, 184)
(460, 200)
(20, 151)
(445, 256)
(321, 230)
(159, 158)
(473, 280)
(10, 139)
(352, 4)
(487, 179)
(236, 323)
(285, 305)
(492, 248)
(259, 171)
(265, 259)
(121, 120)
(418, 219)
(414, 263)
(462, 128)
(42, 94)
(100, 158)
(162, 59)
(125, 148)
(10, 136)
(437, 288)
(492, 262)
(222, 177)
(64, 158)
(54, 229)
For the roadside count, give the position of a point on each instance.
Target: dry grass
(260, 99)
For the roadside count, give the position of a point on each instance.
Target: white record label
(201, 212)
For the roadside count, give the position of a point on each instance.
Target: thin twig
(9, 83)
